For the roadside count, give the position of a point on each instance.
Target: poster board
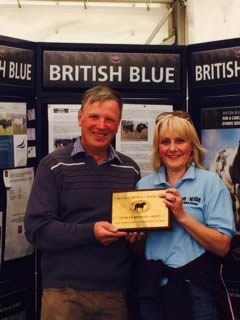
(135, 135)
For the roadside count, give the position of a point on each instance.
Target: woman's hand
(134, 236)
(211, 239)
(173, 200)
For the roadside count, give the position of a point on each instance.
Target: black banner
(72, 69)
(215, 67)
(16, 66)
(221, 118)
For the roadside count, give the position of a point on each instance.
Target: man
(85, 260)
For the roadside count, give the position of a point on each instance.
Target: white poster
(135, 135)
(18, 183)
(20, 150)
(62, 125)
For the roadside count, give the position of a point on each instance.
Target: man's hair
(177, 123)
(101, 94)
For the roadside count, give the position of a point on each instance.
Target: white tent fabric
(120, 24)
(210, 20)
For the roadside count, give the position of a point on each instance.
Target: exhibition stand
(41, 85)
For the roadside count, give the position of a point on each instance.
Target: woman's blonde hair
(178, 123)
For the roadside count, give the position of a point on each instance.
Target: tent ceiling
(84, 2)
(91, 21)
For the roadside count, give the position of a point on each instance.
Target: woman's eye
(165, 142)
(180, 141)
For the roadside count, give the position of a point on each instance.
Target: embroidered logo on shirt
(193, 200)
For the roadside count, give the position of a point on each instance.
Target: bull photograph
(5, 126)
(227, 165)
(221, 138)
(134, 130)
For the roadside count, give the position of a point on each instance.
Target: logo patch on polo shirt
(192, 200)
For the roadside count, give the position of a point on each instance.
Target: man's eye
(109, 120)
(93, 117)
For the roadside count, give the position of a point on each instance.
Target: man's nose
(101, 123)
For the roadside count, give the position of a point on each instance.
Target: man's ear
(118, 128)
(79, 117)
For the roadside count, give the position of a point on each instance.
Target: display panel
(221, 137)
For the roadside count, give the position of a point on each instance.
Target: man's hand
(106, 233)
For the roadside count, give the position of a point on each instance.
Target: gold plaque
(139, 210)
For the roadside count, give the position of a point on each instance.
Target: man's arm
(43, 226)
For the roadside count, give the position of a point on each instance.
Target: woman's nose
(173, 146)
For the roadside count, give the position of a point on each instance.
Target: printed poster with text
(63, 127)
(221, 137)
(135, 135)
(18, 183)
(13, 134)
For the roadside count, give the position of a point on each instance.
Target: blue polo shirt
(205, 198)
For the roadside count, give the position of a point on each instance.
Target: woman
(181, 276)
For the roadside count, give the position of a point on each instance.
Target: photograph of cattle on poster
(13, 119)
(223, 157)
(6, 128)
(134, 130)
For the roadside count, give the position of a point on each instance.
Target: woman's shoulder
(207, 175)
(146, 181)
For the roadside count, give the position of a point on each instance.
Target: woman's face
(175, 152)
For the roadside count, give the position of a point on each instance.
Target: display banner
(220, 135)
(74, 69)
(219, 66)
(16, 66)
(214, 68)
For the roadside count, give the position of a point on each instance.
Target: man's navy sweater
(69, 194)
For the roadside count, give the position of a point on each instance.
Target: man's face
(99, 122)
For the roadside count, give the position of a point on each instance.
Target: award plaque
(139, 210)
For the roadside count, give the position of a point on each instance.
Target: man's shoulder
(126, 160)
(58, 155)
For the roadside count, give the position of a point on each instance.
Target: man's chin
(102, 141)
(101, 144)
